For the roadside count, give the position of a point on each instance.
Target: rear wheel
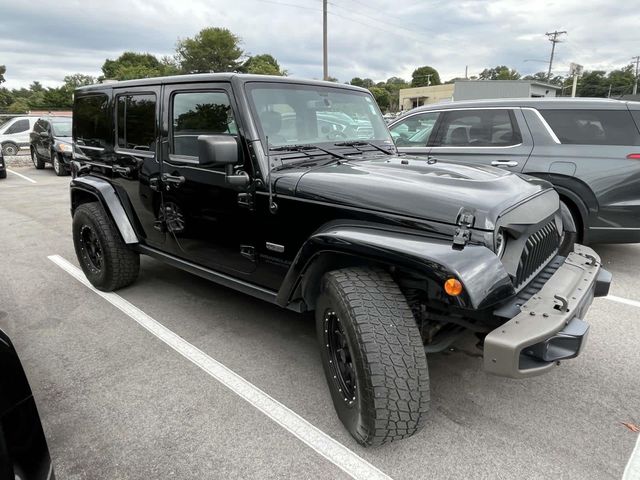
(103, 256)
(37, 162)
(58, 165)
(372, 355)
(3, 174)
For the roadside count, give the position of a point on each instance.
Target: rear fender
(90, 188)
(338, 245)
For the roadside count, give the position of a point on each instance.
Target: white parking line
(334, 451)
(22, 176)
(632, 470)
(626, 301)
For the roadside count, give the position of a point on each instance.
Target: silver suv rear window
(593, 127)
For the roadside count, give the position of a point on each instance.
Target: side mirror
(216, 150)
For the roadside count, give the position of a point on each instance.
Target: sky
(46, 40)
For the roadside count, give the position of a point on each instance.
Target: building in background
(475, 90)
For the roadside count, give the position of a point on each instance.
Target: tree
(382, 97)
(542, 77)
(364, 83)
(211, 50)
(19, 106)
(501, 72)
(3, 70)
(593, 84)
(71, 82)
(132, 65)
(393, 86)
(424, 76)
(264, 64)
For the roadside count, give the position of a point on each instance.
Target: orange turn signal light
(453, 287)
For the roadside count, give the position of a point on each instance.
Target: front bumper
(549, 326)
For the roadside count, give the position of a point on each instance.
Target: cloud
(367, 38)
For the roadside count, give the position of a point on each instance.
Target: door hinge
(248, 252)
(463, 234)
(245, 200)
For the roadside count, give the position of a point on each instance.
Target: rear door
(136, 168)
(602, 147)
(486, 136)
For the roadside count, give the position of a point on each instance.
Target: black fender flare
(103, 192)
(482, 274)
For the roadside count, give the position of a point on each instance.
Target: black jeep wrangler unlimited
(292, 191)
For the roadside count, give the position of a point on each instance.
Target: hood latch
(463, 234)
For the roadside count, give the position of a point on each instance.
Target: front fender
(480, 271)
(103, 192)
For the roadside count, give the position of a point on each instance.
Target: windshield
(309, 114)
(61, 128)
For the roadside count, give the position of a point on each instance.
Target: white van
(14, 134)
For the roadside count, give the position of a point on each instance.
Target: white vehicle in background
(14, 134)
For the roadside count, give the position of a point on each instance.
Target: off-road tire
(37, 161)
(120, 264)
(59, 169)
(391, 374)
(10, 149)
(3, 174)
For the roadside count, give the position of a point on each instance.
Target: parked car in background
(51, 143)
(14, 134)
(24, 453)
(3, 166)
(588, 148)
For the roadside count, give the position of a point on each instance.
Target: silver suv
(588, 148)
(14, 134)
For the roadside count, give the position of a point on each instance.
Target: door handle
(504, 163)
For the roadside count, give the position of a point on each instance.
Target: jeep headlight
(65, 147)
(500, 243)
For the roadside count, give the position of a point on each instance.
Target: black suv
(256, 183)
(588, 148)
(51, 143)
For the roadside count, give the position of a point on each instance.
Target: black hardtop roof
(545, 102)
(211, 77)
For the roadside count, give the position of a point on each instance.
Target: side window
(91, 126)
(593, 127)
(136, 121)
(479, 128)
(415, 130)
(199, 113)
(18, 127)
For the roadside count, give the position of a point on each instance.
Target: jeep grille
(539, 249)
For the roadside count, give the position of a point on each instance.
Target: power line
(385, 21)
(553, 38)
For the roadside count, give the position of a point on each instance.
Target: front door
(206, 224)
(488, 136)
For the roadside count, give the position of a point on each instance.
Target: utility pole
(553, 38)
(635, 85)
(325, 55)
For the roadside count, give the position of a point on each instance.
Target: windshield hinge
(463, 234)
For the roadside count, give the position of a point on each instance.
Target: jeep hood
(413, 187)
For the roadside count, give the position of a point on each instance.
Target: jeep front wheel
(105, 259)
(372, 354)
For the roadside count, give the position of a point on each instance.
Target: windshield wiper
(304, 148)
(360, 143)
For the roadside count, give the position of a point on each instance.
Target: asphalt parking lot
(116, 402)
